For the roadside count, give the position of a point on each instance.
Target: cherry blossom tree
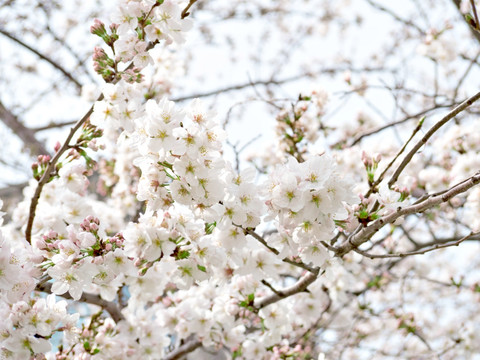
(149, 232)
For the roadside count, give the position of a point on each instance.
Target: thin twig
(52, 163)
(274, 82)
(43, 57)
(474, 10)
(476, 35)
(357, 139)
(276, 252)
(429, 133)
(367, 232)
(186, 348)
(267, 284)
(395, 16)
(185, 12)
(108, 306)
(380, 178)
(300, 286)
(418, 252)
(24, 133)
(465, 74)
(49, 170)
(53, 125)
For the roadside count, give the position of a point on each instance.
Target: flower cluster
(27, 325)
(180, 149)
(136, 27)
(179, 248)
(306, 199)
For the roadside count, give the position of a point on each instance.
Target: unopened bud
(98, 28)
(57, 146)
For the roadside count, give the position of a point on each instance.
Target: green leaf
(183, 254)
(202, 268)
(375, 282)
(209, 227)
(421, 121)
(469, 19)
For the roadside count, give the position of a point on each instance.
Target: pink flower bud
(57, 146)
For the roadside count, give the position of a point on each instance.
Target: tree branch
(53, 125)
(358, 138)
(418, 252)
(186, 348)
(475, 34)
(108, 306)
(276, 252)
(390, 164)
(43, 57)
(25, 134)
(299, 286)
(50, 168)
(273, 82)
(367, 232)
(429, 133)
(395, 16)
(185, 12)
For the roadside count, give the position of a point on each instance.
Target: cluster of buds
(403, 191)
(371, 165)
(104, 65)
(132, 75)
(405, 321)
(49, 240)
(286, 352)
(87, 139)
(291, 130)
(363, 211)
(40, 166)
(89, 134)
(91, 224)
(300, 124)
(101, 246)
(98, 28)
(87, 337)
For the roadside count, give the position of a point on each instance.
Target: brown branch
(300, 286)
(43, 57)
(185, 12)
(25, 134)
(429, 133)
(418, 252)
(273, 82)
(108, 306)
(395, 16)
(367, 232)
(186, 348)
(80, 62)
(474, 9)
(358, 138)
(49, 170)
(276, 252)
(475, 34)
(390, 164)
(474, 236)
(472, 62)
(51, 165)
(53, 125)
